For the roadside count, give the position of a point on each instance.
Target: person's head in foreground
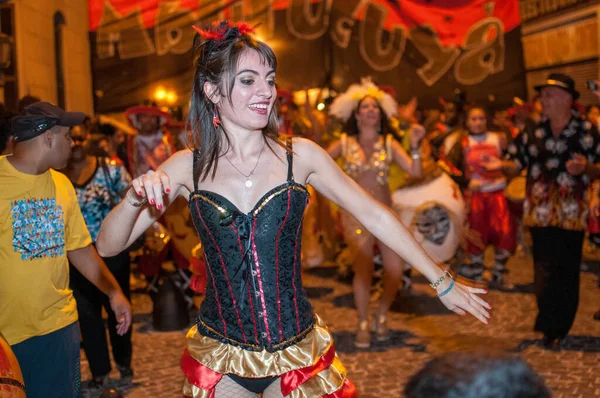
(473, 375)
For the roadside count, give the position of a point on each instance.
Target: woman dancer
(367, 149)
(256, 331)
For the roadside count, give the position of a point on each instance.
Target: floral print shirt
(555, 198)
(97, 194)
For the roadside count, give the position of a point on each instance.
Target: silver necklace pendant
(248, 183)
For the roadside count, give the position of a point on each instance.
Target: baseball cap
(42, 116)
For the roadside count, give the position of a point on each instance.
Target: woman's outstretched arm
(327, 178)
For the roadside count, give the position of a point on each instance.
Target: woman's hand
(152, 186)
(417, 133)
(462, 299)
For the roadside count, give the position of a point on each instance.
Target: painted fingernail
(463, 314)
(140, 193)
(486, 290)
(152, 201)
(159, 207)
(167, 190)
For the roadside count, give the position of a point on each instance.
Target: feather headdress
(346, 103)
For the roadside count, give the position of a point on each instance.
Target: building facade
(51, 52)
(561, 36)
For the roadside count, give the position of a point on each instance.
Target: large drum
(434, 212)
(11, 379)
(515, 195)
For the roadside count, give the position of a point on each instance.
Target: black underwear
(257, 386)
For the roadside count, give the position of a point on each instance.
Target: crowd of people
(243, 172)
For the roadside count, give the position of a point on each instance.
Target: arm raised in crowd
(412, 163)
(127, 221)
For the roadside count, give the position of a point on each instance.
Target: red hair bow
(222, 28)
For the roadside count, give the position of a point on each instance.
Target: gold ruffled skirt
(308, 369)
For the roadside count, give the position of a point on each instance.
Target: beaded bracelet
(442, 278)
(445, 292)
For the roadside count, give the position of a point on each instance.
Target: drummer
(489, 216)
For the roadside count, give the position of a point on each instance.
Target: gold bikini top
(378, 162)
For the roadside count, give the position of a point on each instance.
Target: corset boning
(254, 296)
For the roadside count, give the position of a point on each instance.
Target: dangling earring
(216, 119)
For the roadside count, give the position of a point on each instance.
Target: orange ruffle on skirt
(308, 369)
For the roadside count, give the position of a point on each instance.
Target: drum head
(515, 190)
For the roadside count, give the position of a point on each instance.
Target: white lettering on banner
(342, 32)
(372, 49)
(304, 25)
(482, 53)
(439, 58)
(169, 32)
(342, 28)
(481, 57)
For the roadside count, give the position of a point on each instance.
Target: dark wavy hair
(216, 61)
(351, 126)
(476, 375)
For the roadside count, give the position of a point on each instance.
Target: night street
(422, 328)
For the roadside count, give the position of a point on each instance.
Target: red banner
(450, 19)
(413, 45)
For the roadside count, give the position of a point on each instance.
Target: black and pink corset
(254, 296)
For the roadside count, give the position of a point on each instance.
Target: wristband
(445, 292)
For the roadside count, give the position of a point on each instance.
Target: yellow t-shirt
(40, 221)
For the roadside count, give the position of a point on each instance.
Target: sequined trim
(270, 197)
(260, 286)
(286, 186)
(378, 162)
(210, 202)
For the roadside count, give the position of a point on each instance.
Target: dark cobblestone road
(422, 328)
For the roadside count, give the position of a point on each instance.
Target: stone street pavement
(422, 328)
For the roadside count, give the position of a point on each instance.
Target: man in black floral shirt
(560, 155)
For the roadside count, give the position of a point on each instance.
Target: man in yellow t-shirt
(41, 229)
